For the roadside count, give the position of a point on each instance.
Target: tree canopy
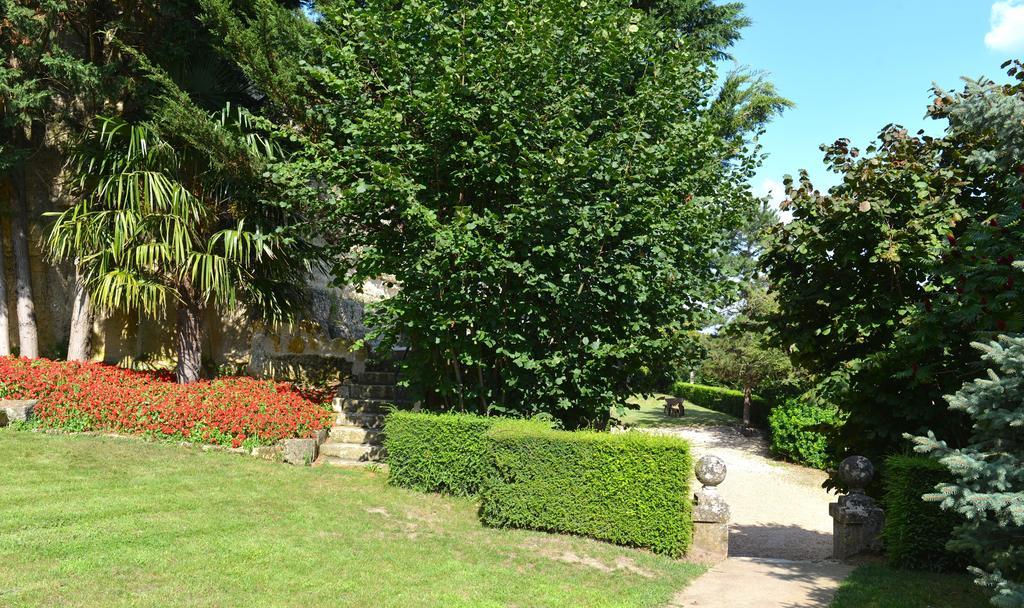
(545, 181)
(884, 281)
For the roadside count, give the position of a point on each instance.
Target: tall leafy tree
(741, 354)
(884, 281)
(545, 181)
(34, 58)
(5, 329)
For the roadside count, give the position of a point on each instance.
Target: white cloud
(1007, 33)
(777, 192)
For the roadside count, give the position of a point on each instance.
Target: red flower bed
(228, 411)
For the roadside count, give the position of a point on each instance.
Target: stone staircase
(356, 439)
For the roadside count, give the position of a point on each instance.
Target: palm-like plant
(164, 223)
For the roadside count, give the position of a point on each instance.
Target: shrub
(797, 429)
(437, 452)
(97, 397)
(627, 488)
(725, 400)
(916, 531)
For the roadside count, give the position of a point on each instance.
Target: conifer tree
(988, 490)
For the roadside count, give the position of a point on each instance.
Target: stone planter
(16, 410)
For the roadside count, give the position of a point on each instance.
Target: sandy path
(779, 510)
(780, 538)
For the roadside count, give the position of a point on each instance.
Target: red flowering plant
(235, 411)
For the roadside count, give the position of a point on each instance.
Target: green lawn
(652, 414)
(91, 521)
(878, 586)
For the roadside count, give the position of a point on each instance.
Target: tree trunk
(746, 405)
(5, 328)
(28, 334)
(81, 321)
(189, 338)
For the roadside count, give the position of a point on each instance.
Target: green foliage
(740, 250)
(182, 218)
(987, 490)
(724, 400)
(884, 281)
(40, 78)
(741, 356)
(437, 452)
(7, 389)
(799, 430)
(546, 182)
(627, 488)
(916, 532)
(68, 62)
(146, 240)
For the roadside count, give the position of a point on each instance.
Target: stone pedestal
(15, 410)
(710, 514)
(857, 519)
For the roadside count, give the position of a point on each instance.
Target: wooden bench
(675, 407)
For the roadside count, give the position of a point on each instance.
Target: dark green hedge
(437, 452)
(627, 488)
(916, 531)
(797, 427)
(725, 400)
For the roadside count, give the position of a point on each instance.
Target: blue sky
(852, 67)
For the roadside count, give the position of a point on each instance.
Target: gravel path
(780, 539)
(779, 510)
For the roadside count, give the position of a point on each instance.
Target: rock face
(14, 410)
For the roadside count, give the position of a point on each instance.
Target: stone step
(356, 434)
(363, 419)
(364, 406)
(358, 464)
(370, 391)
(375, 378)
(352, 451)
(384, 365)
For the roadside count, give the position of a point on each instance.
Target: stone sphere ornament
(710, 471)
(856, 472)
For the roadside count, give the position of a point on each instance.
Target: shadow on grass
(879, 586)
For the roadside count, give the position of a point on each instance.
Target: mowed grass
(652, 415)
(98, 522)
(878, 586)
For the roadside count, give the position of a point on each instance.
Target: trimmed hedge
(444, 453)
(795, 430)
(725, 400)
(627, 488)
(916, 531)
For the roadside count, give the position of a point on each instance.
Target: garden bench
(675, 407)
